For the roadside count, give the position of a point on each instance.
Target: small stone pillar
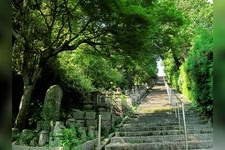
(91, 132)
(57, 132)
(43, 138)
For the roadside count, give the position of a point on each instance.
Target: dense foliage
(87, 71)
(189, 65)
(96, 45)
(43, 29)
(197, 82)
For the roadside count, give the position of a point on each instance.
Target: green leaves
(189, 61)
(86, 72)
(198, 70)
(70, 138)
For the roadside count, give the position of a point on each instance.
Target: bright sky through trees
(160, 68)
(211, 1)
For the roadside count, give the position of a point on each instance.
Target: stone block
(106, 127)
(43, 125)
(15, 133)
(37, 148)
(70, 123)
(90, 122)
(26, 137)
(58, 128)
(34, 141)
(90, 144)
(80, 123)
(43, 138)
(91, 132)
(83, 132)
(78, 114)
(18, 147)
(106, 123)
(16, 142)
(46, 148)
(106, 115)
(57, 140)
(90, 115)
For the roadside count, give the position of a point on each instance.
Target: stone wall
(88, 145)
(112, 106)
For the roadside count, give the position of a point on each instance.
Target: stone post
(43, 138)
(57, 132)
(91, 132)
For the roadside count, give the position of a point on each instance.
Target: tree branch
(51, 52)
(81, 31)
(18, 37)
(43, 15)
(59, 31)
(54, 12)
(91, 43)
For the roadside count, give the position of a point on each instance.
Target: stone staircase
(154, 127)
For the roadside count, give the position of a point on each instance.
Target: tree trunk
(24, 106)
(29, 85)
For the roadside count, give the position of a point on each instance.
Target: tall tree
(42, 29)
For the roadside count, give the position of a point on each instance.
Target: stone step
(163, 118)
(161, 138)
(204, 149)
(169, 127)
(141, 124)
(162, 132)
(171, 114)
(167, 122)
(160, 145)
(165, 102)
(164, 122)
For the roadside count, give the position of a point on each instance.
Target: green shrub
(70, 138)
(172, 73)
(184, 83)
(196, 73)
